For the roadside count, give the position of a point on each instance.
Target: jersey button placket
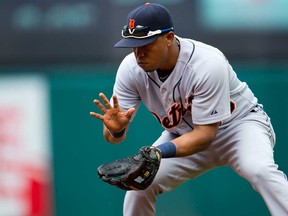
(163, 90)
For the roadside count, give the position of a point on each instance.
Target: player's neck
(173, 57)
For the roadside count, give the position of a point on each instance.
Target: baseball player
(210, 117)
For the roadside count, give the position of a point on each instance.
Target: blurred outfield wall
(79, 148)
(64, 31)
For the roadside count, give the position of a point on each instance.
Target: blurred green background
(70, 44)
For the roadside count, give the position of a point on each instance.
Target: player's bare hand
(113, 117)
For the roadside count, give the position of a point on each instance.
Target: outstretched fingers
(105, 101)
(96, 115)
(130, 112)
(115, 101)
(100, 106)
(103, 108)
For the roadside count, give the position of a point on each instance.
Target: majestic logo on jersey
(175, 114)
(131, 26)
(214, 112)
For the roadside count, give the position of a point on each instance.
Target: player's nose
(138, 51)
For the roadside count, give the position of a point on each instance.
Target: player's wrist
(167, 149)
(118, 134)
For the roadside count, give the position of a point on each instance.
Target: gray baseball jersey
(202, 89)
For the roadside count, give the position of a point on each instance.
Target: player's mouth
(141, 63)
(144, 65)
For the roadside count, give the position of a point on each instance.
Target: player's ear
(169, 37)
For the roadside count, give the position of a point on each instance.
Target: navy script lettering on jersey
(175, 113)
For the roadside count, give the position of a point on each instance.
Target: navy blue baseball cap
(144, 25)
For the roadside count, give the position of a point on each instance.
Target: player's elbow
(204, 146)
(206, 143)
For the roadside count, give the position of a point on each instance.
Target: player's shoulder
(128, 63)
(129, 60)
(204, 61)
(129, 69)
(200, 50)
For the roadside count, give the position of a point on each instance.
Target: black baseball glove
(136, 172)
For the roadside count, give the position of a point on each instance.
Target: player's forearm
(195, 141)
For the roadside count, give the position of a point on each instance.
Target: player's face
(152, 56)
